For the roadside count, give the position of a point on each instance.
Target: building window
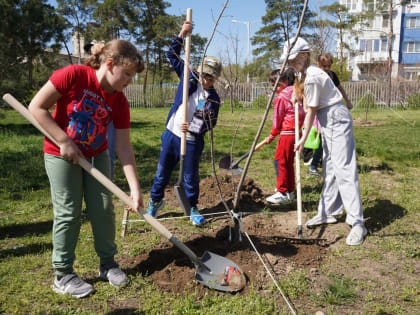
(411, 75)
(411, 47)
(384, 44)
(415, 1)
(362, 45)
(369, 5)
(385, 20)
(350, 4)
(369, 45)
(376, 45)
(412, 21)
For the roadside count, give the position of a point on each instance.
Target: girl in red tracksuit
(284, 124)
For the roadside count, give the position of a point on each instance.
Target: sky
(205, 13)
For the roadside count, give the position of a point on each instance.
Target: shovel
(210, 268)
(179, 186)
(299, 189)
(297, 169)
(226, 162)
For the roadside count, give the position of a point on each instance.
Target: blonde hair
(122, 52)
(299, 91)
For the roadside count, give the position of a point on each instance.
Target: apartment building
(368, 41)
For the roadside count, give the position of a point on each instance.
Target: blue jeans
(316, 159)
(169, 157)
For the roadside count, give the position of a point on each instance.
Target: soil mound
(172, 271)
(251, 196)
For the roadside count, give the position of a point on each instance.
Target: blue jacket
(213, 101)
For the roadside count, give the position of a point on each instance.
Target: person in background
(203, 109)
(325, 61)
(284, 125)
(87, 98)
(341, 183)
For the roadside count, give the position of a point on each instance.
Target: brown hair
(287, 75)
(325, 56)
(121, 51)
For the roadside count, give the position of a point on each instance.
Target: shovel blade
(182, 199)
(225, 162)
(212, 272)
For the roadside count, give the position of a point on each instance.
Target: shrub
(413, 101)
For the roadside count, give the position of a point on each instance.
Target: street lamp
(248, 24)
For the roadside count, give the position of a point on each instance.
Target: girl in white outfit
(341, 184)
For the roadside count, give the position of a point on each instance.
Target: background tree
(281, 19)
(77, 13)
(111, 21)
(30, 31)
(342, 21)
(323, 35)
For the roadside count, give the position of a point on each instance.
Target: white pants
(341, 181)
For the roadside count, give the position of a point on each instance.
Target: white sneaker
(278, 198)
(318, 220)
(291, 196)
(356, 235)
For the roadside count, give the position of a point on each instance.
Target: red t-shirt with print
(85, 109)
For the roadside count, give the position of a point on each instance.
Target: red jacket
(284, 114)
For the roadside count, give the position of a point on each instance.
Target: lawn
(380, 277)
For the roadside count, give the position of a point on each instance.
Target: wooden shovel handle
(187, 47)
(297, 173)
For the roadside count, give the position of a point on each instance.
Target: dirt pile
(251, 196)
(172, 271)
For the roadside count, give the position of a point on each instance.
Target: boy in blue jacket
(203, 108)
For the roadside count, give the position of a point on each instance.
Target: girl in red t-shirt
(87, 98)
(284, 125)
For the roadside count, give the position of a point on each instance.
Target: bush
(260, 101)
(366, 101)
(413, 101)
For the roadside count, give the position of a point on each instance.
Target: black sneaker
(112, 272)
(72, 285)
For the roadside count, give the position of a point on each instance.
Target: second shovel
(179, 186)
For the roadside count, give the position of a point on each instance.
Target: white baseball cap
(300, 45)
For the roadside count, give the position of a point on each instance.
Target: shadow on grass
(22, 129)
(20, 230)
(124, 311)
(22, 171)
(35, 248)
(139, 124)
(363, 168)
(382, 214)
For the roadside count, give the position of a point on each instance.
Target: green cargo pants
(70, 184)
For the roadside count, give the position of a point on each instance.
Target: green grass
(379, 277)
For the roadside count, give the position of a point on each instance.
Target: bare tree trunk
(146, 70)
(68, 52)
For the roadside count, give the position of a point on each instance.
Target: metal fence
(361, 94)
